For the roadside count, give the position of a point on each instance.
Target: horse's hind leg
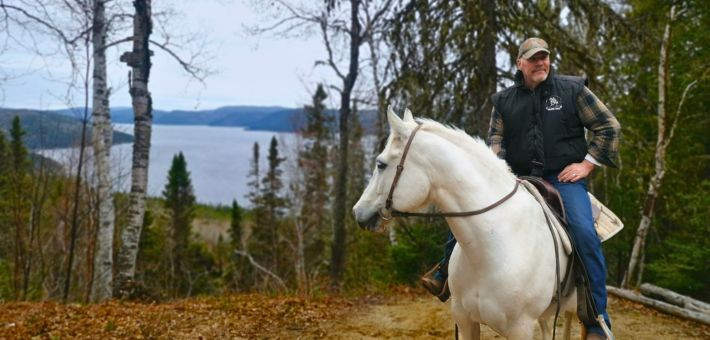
(469, 330)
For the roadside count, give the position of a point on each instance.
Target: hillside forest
(67, 235)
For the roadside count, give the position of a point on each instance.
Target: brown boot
(434, 286)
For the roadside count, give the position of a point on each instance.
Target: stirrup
(434, 286)
(445, 292)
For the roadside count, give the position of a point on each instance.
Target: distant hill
(265, 118)
(49, 129)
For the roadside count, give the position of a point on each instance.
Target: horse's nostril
(370, 223)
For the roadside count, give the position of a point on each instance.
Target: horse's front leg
(469, 330)
(465, 326)
(568, 325)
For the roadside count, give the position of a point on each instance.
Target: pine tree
(180, 201)
(310, 190)
(254, 195)
(19, 204)
(5, 235)
(273, 201)
(313, 161)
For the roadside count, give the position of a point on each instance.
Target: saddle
(551, 196)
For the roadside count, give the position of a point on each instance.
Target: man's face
(535, 69)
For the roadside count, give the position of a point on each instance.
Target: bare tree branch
(680, 105)
(52, 27)
(261, 268)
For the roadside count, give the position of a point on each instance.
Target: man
(537, 126)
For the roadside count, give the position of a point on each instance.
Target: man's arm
(604, 146)
(495, 134)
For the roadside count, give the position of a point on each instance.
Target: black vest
(542, 132)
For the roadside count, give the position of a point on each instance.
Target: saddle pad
(606, 222)
(560, 231)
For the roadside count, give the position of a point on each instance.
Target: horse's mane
(474, 146)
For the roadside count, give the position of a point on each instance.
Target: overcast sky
(250, 70)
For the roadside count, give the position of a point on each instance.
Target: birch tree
(139, 61)
(102, 139)
(634, 272)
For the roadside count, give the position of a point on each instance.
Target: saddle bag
(606, 223)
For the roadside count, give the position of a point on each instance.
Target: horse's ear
(408, 117)
(397, 125)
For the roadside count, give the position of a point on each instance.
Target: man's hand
(576, 171)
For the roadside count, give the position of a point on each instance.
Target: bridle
(387, 212)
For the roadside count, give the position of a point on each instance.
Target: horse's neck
(471, 186)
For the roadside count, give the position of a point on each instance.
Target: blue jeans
(581, 228)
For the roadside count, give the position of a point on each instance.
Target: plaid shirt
(596, 117)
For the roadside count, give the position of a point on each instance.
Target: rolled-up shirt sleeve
(605, 129)
(495, 134)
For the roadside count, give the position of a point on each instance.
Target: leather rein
(387, 213)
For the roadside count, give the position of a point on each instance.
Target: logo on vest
(553, 103)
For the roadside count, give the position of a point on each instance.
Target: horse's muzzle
(371, 223)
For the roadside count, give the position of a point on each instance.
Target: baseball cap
(531, 46)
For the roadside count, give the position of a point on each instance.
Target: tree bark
(488, 78)
(661, 306)
(339, 232)
(300, 260)
(139, 61)
(102, 138)
(660, 159)
(675, 298)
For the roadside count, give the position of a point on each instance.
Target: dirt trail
(426, 318)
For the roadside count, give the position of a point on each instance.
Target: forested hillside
(72, 237)
(46, 130)
(277, 119)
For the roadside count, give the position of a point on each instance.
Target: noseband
(387, 213)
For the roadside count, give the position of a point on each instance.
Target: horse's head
(412, 189)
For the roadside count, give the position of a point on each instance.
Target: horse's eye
(381, 165)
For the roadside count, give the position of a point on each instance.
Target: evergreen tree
(20, 161)
(273, 201)
(254, 195)
(309, 190)
(19, 186)
(180, 201)
(314, 162)
(5, 235)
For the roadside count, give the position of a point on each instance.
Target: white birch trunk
(101, 288)
(300, 261)
(139, 61)
(660, 159)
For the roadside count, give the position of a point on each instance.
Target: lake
(217, 157)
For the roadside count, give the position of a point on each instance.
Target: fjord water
(218, 158)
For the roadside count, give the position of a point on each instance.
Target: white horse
(502, 270)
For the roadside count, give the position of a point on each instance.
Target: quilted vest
(542, 132)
